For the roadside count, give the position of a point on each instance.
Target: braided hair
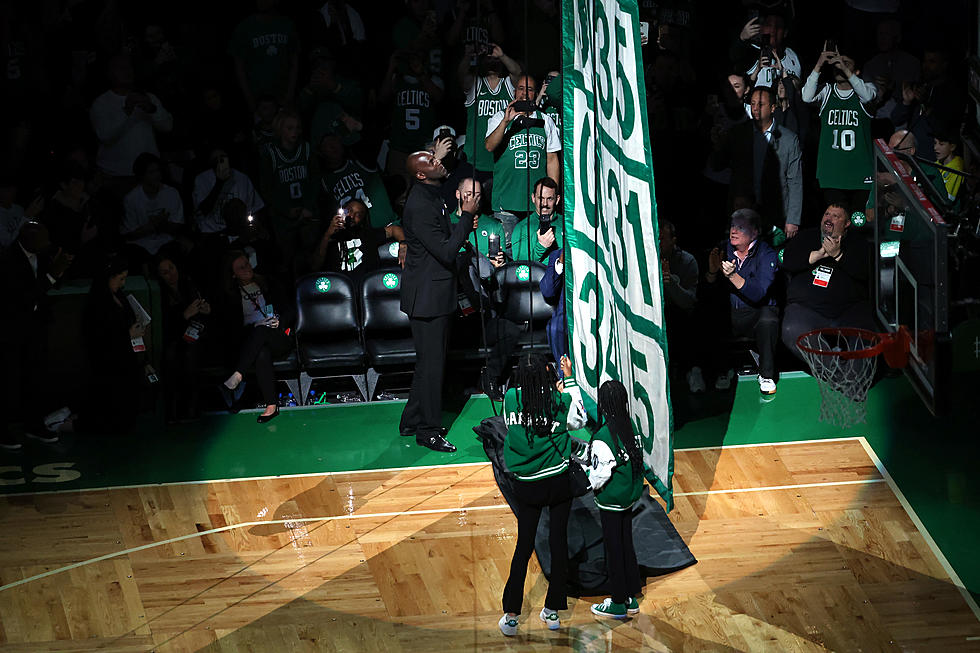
(539, 405)
(614, 410)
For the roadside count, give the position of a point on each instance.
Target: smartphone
(831, 45)
(544, 226)
(644, 32)
(493, 245)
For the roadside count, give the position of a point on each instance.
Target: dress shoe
(432, 440)
(442, 430)
(262, 419)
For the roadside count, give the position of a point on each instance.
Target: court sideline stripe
(936, 551)
(380, 469)
(433, 511)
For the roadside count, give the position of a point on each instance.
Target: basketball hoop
(843, 360)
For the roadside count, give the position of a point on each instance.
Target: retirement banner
(613, 288)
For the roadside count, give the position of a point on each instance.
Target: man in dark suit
(25, 278)
(766, 167)
(429, 292)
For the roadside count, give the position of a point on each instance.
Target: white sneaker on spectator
(695, 381)
(551, 618)
(767, 386)
(724, 381)
(508, 625)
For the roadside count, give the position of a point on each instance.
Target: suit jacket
(429, 279)
(25, 294)
(781, 197)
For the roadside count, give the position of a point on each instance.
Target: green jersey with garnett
(545, 455)
(356, 181)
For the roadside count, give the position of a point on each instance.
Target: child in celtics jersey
(845, 162)
(615, 469)
(488, 91)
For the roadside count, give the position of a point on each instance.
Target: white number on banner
(846, 140)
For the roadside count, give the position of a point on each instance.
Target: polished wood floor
(801, 547)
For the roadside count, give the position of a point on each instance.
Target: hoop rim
(877, 346)
(895, 346)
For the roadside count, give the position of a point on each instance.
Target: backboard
(911, 275)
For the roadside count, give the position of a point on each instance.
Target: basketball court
(806, 545)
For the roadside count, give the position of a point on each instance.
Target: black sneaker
(9, 443)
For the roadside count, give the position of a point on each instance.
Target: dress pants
(617, 538)
(423, 412)
(531, 496)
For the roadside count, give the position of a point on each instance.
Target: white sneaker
(724, 381)
(695, 381)
(508, 625)
(767, 386)
(550, 617)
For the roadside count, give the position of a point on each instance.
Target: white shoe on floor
(551, 618)
(767, 386)
(724, 381)
(695, 381)
(508, 625)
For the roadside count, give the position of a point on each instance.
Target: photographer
(215, 186)
(759, 44)
(489, 86)
(124, 121)
(350, 243)
(844, 157)
(525, 143)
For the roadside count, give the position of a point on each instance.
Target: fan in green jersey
(845, 162)
(488, 91)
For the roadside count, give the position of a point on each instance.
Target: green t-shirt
(519, 238)
(523, 160)
(844, 156)
(266, 44)
(412, 115)
(480, 107)
(480, 238)
(355, 181)
(624, 487)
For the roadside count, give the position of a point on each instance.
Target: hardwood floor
(801, 547)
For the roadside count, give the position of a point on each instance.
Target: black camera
(525, 106)
(766, 47)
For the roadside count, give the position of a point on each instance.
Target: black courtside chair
(387, 335)
(328, 331)
(519, 299)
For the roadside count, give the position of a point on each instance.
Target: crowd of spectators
(226, 149)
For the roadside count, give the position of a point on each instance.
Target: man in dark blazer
(26, 275)
(429, 292)
(766, 167)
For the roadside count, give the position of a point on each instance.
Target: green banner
(613, 287)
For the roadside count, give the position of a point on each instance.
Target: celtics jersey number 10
(844, 157)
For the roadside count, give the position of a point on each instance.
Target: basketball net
(844, 361)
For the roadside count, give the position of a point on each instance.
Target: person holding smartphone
(539, 234)
(763, 36)
(255, 318)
